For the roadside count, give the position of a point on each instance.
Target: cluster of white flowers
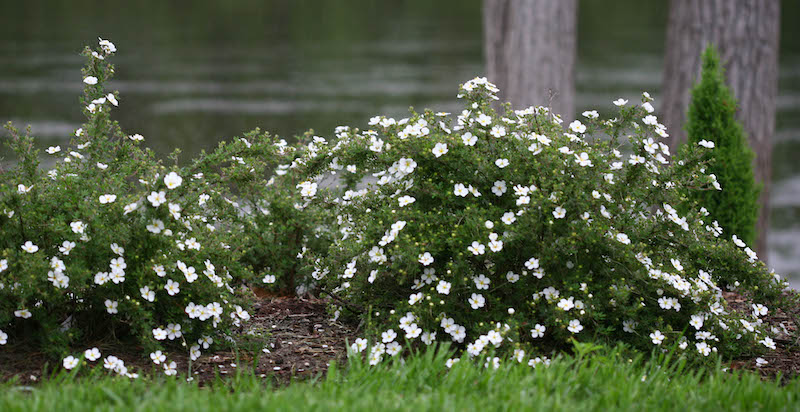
(483, 258)
(170, 240)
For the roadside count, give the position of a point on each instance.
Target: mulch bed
(303, 341)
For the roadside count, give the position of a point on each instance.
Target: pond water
(192, 76)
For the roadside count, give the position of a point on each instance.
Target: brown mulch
(297, 339)
(785, 360)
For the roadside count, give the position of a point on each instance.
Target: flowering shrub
(503, 231)
(111, 242)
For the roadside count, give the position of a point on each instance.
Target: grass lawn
(604, 380)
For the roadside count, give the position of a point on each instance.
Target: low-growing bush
(504, 233)
(112, 243)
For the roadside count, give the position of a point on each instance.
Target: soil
(302, 341)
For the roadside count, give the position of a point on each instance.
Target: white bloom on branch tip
(657, 337)
(104, 199)
(706, 143)
(426, 259)
(23, 313)
(30, 247)
(501, 163)
(443, 287)
(439, 150)
(559, 212)
(90, 80)
(575, 326)
(70, 362)
(538, 331)
(620, 102)
(406, 200)
(172, 180)
(111, 307)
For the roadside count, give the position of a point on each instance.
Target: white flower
(657, 337)
(484, 120)
(592, 114)
(469, 139)
(759, 310)
(426, 259)
(23, 313)
(697, 321)
(703, 348)
(130, 208)
(477, 301)
(3, 264)
(406, 200)
(575, 326)
(172, 287)
(107, 46)
(706, 143)
(170, 369)
(22, 189)
(136, 137)
(768, 342)
(566, 304)
(158, 357)
(53, 149)
(440, 149)
(172, 180)
(620, 102)
(443, 287)
(70, 362)
(107, 199)
(677, 264)
(90, 80)
(159, 334)
(92, 354)
(414, 298)
(559, 212)
(112, 99)
(147, 294)
(532, 263)
(761, 362)
(499, 187)
(157, 198)
(111, 307)
(460, 190)
(623, 238)
(477, 248)
(501, 163)
(577, 126)
(583, 160)
(269, 279)
(538, 331)
(30, 247)
(498, 131)
(481, 282)
(359, 345)
(738, 242)
(388, 336)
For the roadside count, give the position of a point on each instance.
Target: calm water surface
(192, 74)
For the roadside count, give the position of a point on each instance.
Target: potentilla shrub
(712, 123)
(110, 243)
(511, 233)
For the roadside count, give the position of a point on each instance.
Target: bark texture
(745, 32)
(530, 51)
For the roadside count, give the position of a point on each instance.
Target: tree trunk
(530, 51)
(745, 33)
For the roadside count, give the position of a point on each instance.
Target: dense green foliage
(602, 381)
(712, 118)
(509, 232)
(111, 243)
